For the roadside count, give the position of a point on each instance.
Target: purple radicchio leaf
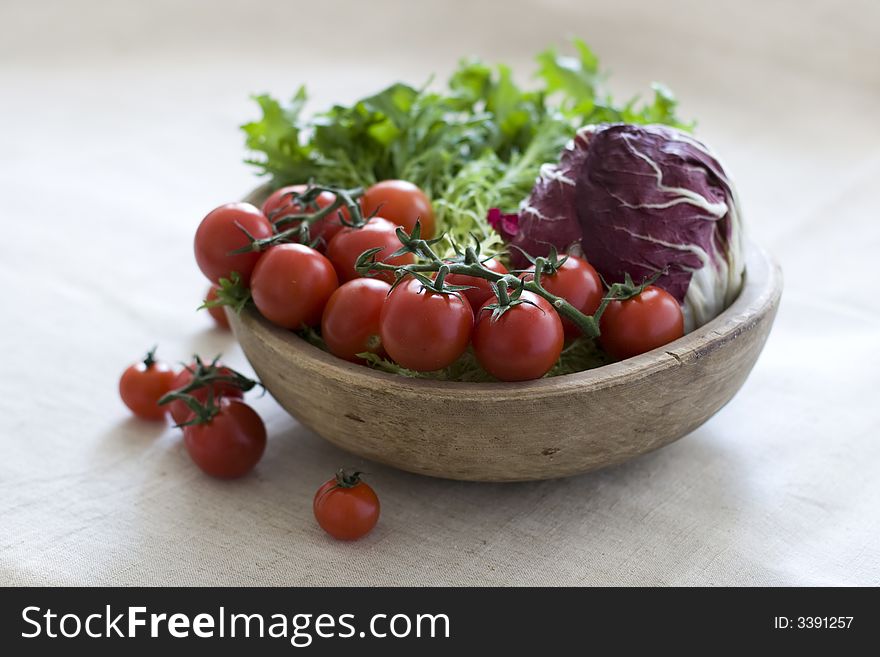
(548, 217)
(653, 198)
(645, 199)
(505, 224)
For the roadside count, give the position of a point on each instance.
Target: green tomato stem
(588, 324)
(299, 232)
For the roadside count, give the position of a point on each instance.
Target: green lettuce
(476, 143)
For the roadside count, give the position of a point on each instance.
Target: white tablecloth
(119, 131)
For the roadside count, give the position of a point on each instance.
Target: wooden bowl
(541, 429)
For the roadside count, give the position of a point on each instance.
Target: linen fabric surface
(119, 133)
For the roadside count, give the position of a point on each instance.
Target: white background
(118, 132)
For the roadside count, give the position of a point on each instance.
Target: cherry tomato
(644, 322)
(281, 203)
(402, 203)
(350, 243)
(481, 290)
(350, 324)
(230, 444)
(424, 330)
(142, 384)
(218, 314)
(179, 410)
(346, 507)
(578, 283)
(523, 343)
(291, 285)
(221, 232)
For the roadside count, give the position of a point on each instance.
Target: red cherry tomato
(179, 410)
(230, 444)
(424, 330)
(291, 284)
(481, 290)
(578, 283)
(523, 343)
(218, 314)
(280, 203)
(350, 324)
(400, 202)
(221, 232)
(346, 507)
(349, 243)
(640, 324)
(142, 384)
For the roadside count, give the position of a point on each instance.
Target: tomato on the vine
(578, 283)
(346, 507)
(142, 384)
(523, 343)
(178, 408)
(291, 284)
(217, 313)
(350, 324)
(402, 203)
(228, 444)
(642, 323)
(480, 289)
(349, 243)
(223, 231)
(424, 330)
(280, 203)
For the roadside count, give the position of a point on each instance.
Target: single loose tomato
(578, 283)
(481, 289)
(280, 203)
(346, 507)
(350, 325)
(402, 203)
(349, 243)
(178, 408)
(523, 343)
(217, 313)
(230, 443)
(424, 330)
(647, 321)
(291, 284)
(142, 384)
(221, 232)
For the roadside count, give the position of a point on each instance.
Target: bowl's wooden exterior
(535, 430)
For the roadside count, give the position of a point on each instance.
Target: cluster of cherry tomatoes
(418, 325)
(291, 283)
(226, 438)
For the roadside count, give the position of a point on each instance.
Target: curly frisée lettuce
(474, 144)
